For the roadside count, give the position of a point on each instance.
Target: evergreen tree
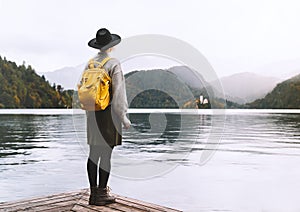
(21, 87)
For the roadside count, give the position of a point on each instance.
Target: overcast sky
(234, 35)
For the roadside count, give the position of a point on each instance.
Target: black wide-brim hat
(104, 40)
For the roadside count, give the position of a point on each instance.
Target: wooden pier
(78, 201)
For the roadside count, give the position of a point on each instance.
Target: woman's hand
(126, 123)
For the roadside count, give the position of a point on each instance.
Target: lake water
(243, 160)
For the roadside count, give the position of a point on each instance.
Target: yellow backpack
(94, 87)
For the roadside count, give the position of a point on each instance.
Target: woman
(104, 127)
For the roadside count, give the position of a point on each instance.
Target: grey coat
(110, 121)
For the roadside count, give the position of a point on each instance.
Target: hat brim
(115, 39)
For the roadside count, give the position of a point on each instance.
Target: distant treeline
(21, 87)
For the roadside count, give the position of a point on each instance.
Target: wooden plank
(45, 202)
(41, 199)
(78, 201)
(137, 205)
(151, 206)
(124, 208)
(79, 207)
(56, 209)
(43, 207)
(140, 205)
(54, 206)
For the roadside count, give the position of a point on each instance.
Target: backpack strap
(104, 61)
(92, 62)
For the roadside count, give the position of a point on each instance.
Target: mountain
(155, 89)
(240, 88)
(188, 76)
(247, 87)
(286, 95)
(179, 81)
(21, 87)
(167, 88)
(67, 77)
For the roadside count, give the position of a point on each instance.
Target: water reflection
(268, 134)
(161, 137)
(257, 153)
(261, 134)
(166, 127)
(291, 121)
(24, 134)
(17, 134)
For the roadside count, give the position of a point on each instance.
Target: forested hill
(21, 87)
(161, 88)
(285, 95)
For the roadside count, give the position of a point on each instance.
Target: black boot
(93, 195)
(103, 197)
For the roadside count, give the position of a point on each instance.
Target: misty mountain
(177, 87)
(246, 87)
(240, 88)
(67, 77)
(286, 95)
(188, 76)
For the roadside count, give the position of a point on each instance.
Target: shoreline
(62, 111)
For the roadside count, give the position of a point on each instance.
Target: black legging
(104, 154)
